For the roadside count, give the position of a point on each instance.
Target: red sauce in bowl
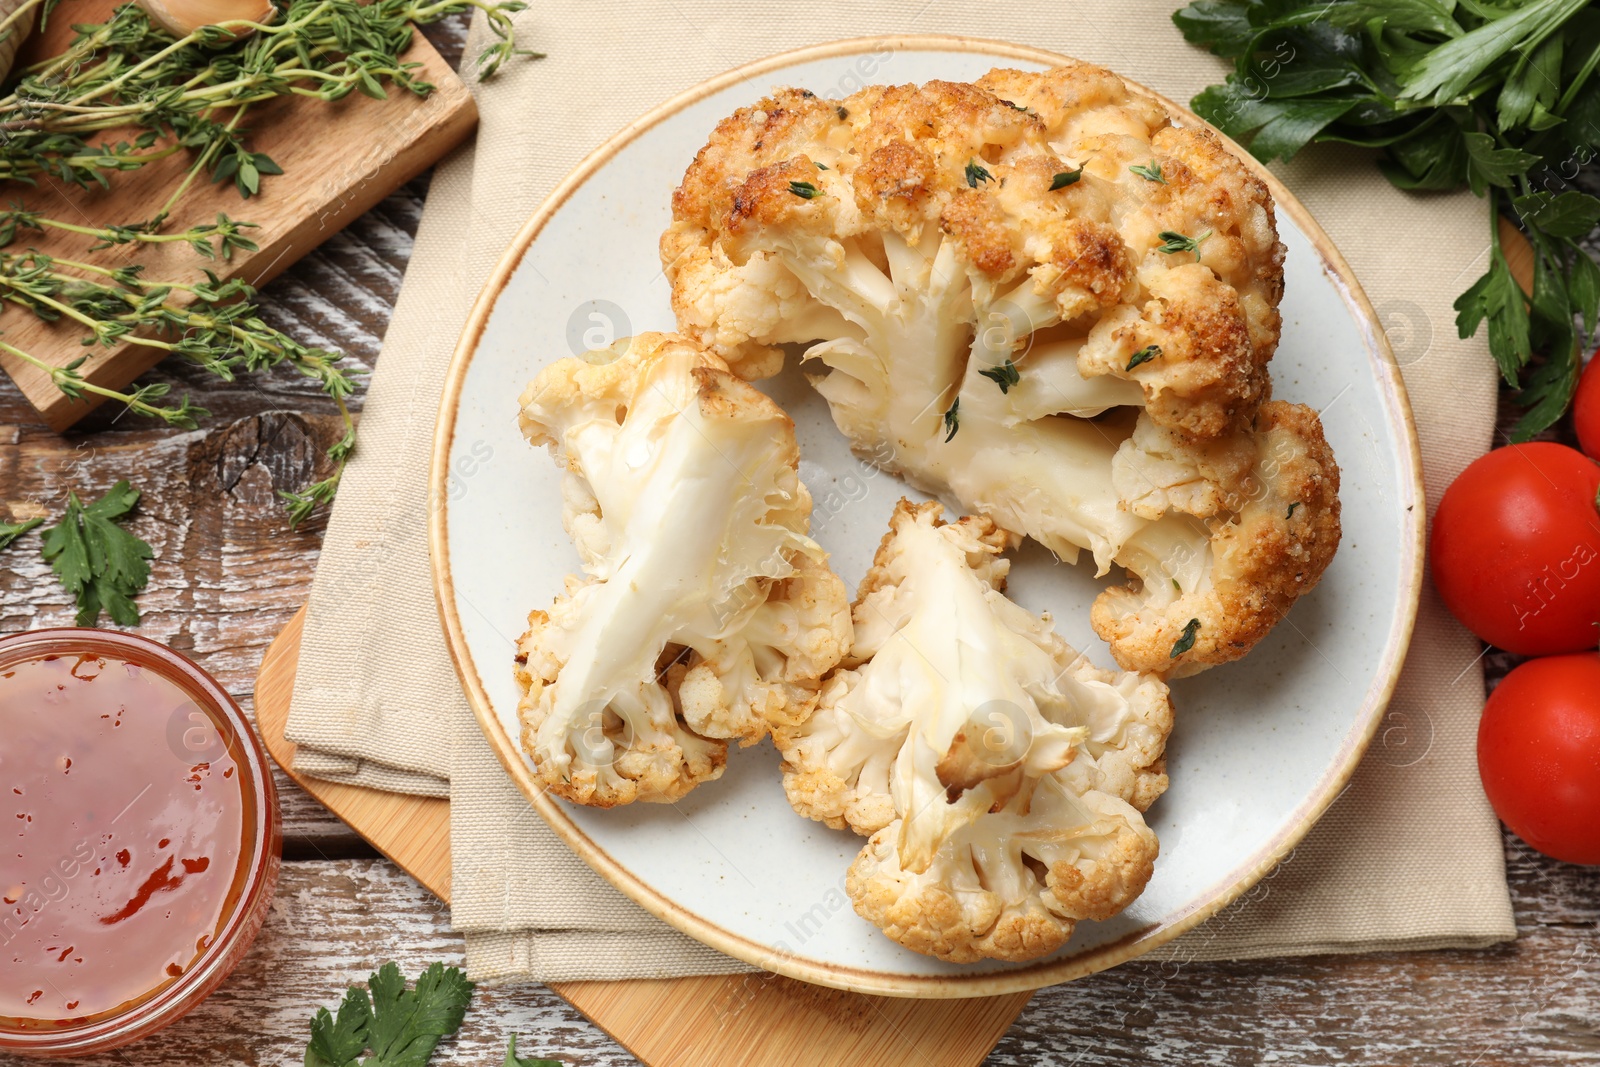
(138, 839)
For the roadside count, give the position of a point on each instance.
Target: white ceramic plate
(1261, 747)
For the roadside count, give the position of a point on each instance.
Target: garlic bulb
(182, 17)
(16, 29)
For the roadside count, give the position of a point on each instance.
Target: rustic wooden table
(229, 573)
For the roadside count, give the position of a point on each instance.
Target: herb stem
(59, 374)
(203, 161)
(11, 19)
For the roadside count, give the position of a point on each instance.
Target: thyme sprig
(211, 240)
(126, 93)
(128, 74)
(213, 324)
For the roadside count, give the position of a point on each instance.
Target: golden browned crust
(1270, 546)
(977, 162)
(932, 918)
(661, 773)
(750, 138)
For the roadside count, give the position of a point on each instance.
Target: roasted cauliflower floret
(1000, 773)
(1269, 501)
(1012, 884)
(708, 613)
(1031, 178)
(978, 271)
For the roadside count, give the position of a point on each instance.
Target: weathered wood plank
(228, 574)
(1534, 1002)
(331, 924)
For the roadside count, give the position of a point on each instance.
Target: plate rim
(1334, 780)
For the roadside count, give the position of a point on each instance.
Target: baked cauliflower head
(1000, 774)
(708, 614)
(1036, 296)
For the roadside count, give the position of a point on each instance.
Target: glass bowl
(259, 855)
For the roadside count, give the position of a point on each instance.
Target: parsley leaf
(400, 1026)
(1274, 129)
(1584, 287)
(1223, 27)
(804, 190)
(1499, 98)
(338, 1041)
(1004, 375)
(98, 562)
(952, 420)
(1445, 72)
(10, 531)
(1568, 214)
(976, 173)
(1495, 296)
(1488, 165)
(407, 1024)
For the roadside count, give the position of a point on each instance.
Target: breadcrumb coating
(1037, 296)
(1274, 529)
(977, 162)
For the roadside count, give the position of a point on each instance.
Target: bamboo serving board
(678, 1022)
(339, 160)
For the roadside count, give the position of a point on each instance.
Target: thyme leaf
(1176, 242)
(1150, 172)
(1004, 375)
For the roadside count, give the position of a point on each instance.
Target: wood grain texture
(757, 1020)
(381, 144)
(1534, 1002)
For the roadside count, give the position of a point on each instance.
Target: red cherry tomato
(1586, 408)
(1539, 755)
(1516, 549)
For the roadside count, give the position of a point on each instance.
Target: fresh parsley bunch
(1501, 98)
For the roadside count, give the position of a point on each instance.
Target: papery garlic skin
(182, 17)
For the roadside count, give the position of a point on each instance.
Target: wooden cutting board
(339, 160)
(760, 1020)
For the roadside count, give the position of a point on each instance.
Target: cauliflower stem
(1000, 774)
(708, 613)
(1035, 297)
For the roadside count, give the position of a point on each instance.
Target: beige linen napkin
(1409, 857)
